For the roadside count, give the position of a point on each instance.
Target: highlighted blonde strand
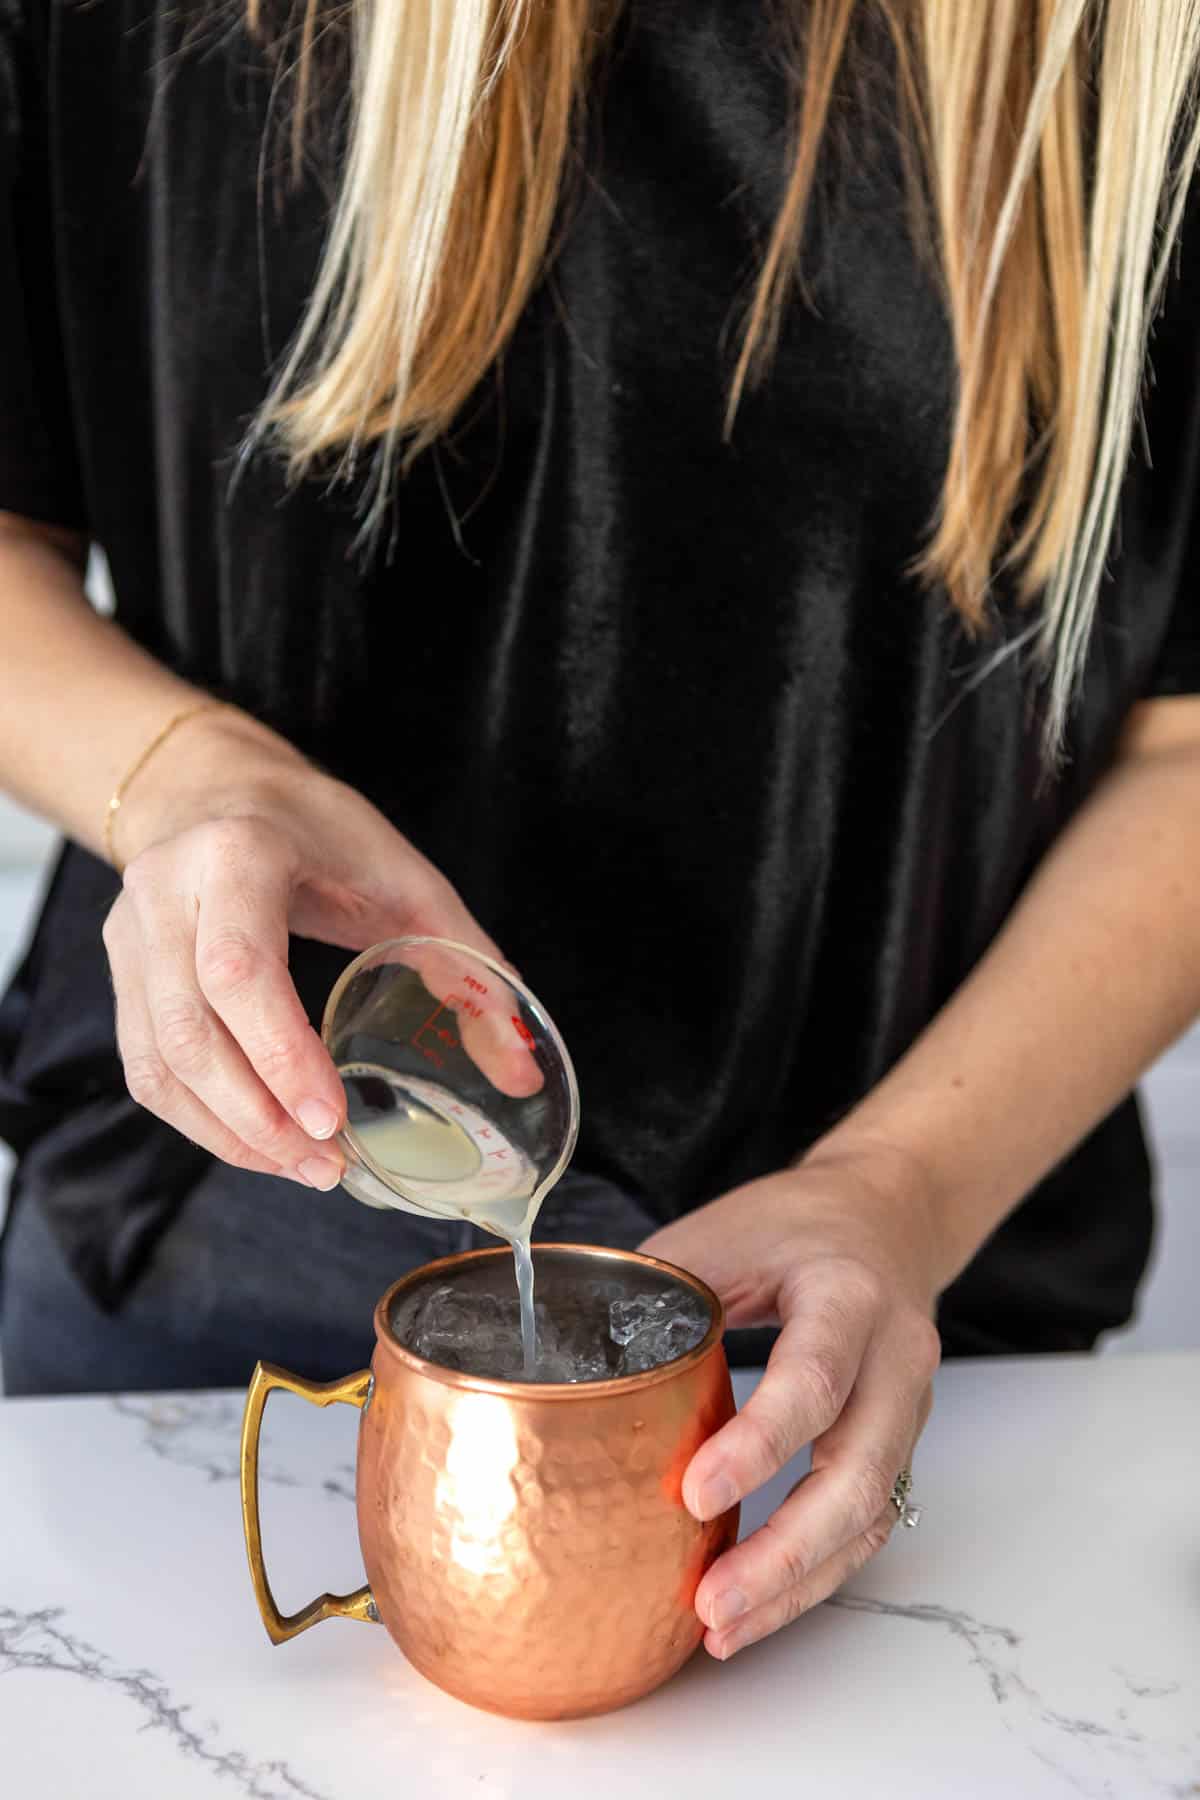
(461, 125)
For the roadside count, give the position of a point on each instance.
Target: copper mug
(526, 1545)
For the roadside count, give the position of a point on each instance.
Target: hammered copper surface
(526, 1546)
(528, 1549)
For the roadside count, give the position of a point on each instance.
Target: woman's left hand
(842, 1253)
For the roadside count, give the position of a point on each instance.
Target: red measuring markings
(498, 1153)
(523, 1031)
(479, 986)
(429, 1051)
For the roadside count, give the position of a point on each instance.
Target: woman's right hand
(234, 840)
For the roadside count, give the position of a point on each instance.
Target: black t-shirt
(672, 713)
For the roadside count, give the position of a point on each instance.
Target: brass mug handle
(354, 1391)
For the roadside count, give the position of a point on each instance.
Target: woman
(644, 483)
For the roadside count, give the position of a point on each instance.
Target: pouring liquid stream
(438, 1160)
(524, 1266)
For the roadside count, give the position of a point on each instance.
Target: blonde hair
(1053, 262)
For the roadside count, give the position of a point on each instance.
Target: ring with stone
(907, 1513)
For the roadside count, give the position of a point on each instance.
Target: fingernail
(716, 1495)
(320, 1172)
(726, 1608)
(317, 1118)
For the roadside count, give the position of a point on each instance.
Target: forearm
(79, 700)
(1096, 971)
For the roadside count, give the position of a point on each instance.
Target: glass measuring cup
(461, 1098)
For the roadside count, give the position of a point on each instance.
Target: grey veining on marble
(995, 1651)
(41, 1641)
(202, 1432)
(1037, 1638)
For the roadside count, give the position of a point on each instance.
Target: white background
(1170, 1316)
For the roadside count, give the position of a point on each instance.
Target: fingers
(450, 918)
(807, 1592)
(408, 897)
(855, 1465)
(216, 921)
(807, 1381)
(149, 1080)
(491, 1030)
(392, 891)
(242, 972)
(215, 1039)
(397, 892)
(201, 1055)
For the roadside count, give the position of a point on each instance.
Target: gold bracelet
(122, 787)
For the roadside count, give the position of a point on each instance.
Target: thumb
(416, 902)
(425, 905)
(431, 907)
(359, 880)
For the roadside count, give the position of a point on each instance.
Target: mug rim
(535, 1391)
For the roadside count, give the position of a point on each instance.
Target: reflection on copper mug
(526, 1546)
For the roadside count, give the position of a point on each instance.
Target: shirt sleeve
(39, 461)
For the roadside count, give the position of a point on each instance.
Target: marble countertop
(1039, 1635)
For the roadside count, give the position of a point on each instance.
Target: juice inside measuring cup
(457, 1162)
